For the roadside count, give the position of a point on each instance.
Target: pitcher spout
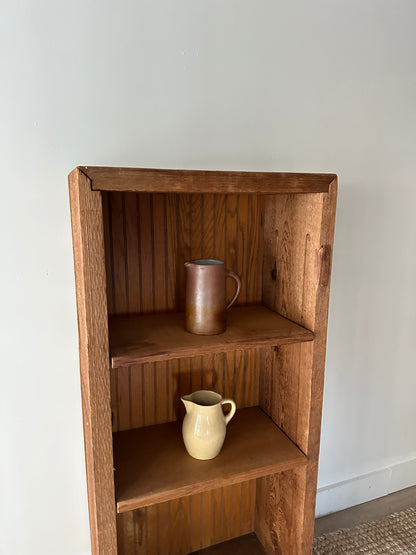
(187, 401)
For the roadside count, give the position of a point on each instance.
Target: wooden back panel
(190, 523)
(149, 237)
(148, 394)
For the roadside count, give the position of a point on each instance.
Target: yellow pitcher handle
(232, 411)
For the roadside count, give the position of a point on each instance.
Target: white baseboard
(367, 487)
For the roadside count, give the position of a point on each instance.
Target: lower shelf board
(152, 465)
(243, 545)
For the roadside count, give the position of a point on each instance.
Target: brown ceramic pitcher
(206, 296)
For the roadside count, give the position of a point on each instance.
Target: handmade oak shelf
(152, 466)
(159, 337)
(133, 229)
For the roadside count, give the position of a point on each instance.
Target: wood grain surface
(244, 545)
(154, 389)
(189, 524)
(88, 243)
(152, 465)
(130, 243)
(204, 181)
(149, 237)
(159, 337)
(299, 233)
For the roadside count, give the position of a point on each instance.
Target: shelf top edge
(154, 180)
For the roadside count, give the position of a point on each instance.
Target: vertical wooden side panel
(243, 240)
(291, 258)
(88, 243)
(274, 503)
(255, 254)
(296, 275)
(270, 256)
(106, 204)
(240, 373)
(315, 356)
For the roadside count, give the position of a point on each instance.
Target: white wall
(245, 85)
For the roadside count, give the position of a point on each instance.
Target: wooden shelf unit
(133, 229)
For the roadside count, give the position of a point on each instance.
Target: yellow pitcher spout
(189, 404)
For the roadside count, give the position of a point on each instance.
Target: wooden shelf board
(152, 465)
(248, 544)
(157, 337)
(153, 180)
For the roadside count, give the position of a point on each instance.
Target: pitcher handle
(232, 411)
(231, 274)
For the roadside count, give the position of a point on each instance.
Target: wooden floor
(367, 512)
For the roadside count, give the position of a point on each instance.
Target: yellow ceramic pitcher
(204, 425)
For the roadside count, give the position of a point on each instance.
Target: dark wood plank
(152, 465)
(146, 261)
(243, 545)
(204, 181)
(88, 242)
(172, 282)
(157, 337)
